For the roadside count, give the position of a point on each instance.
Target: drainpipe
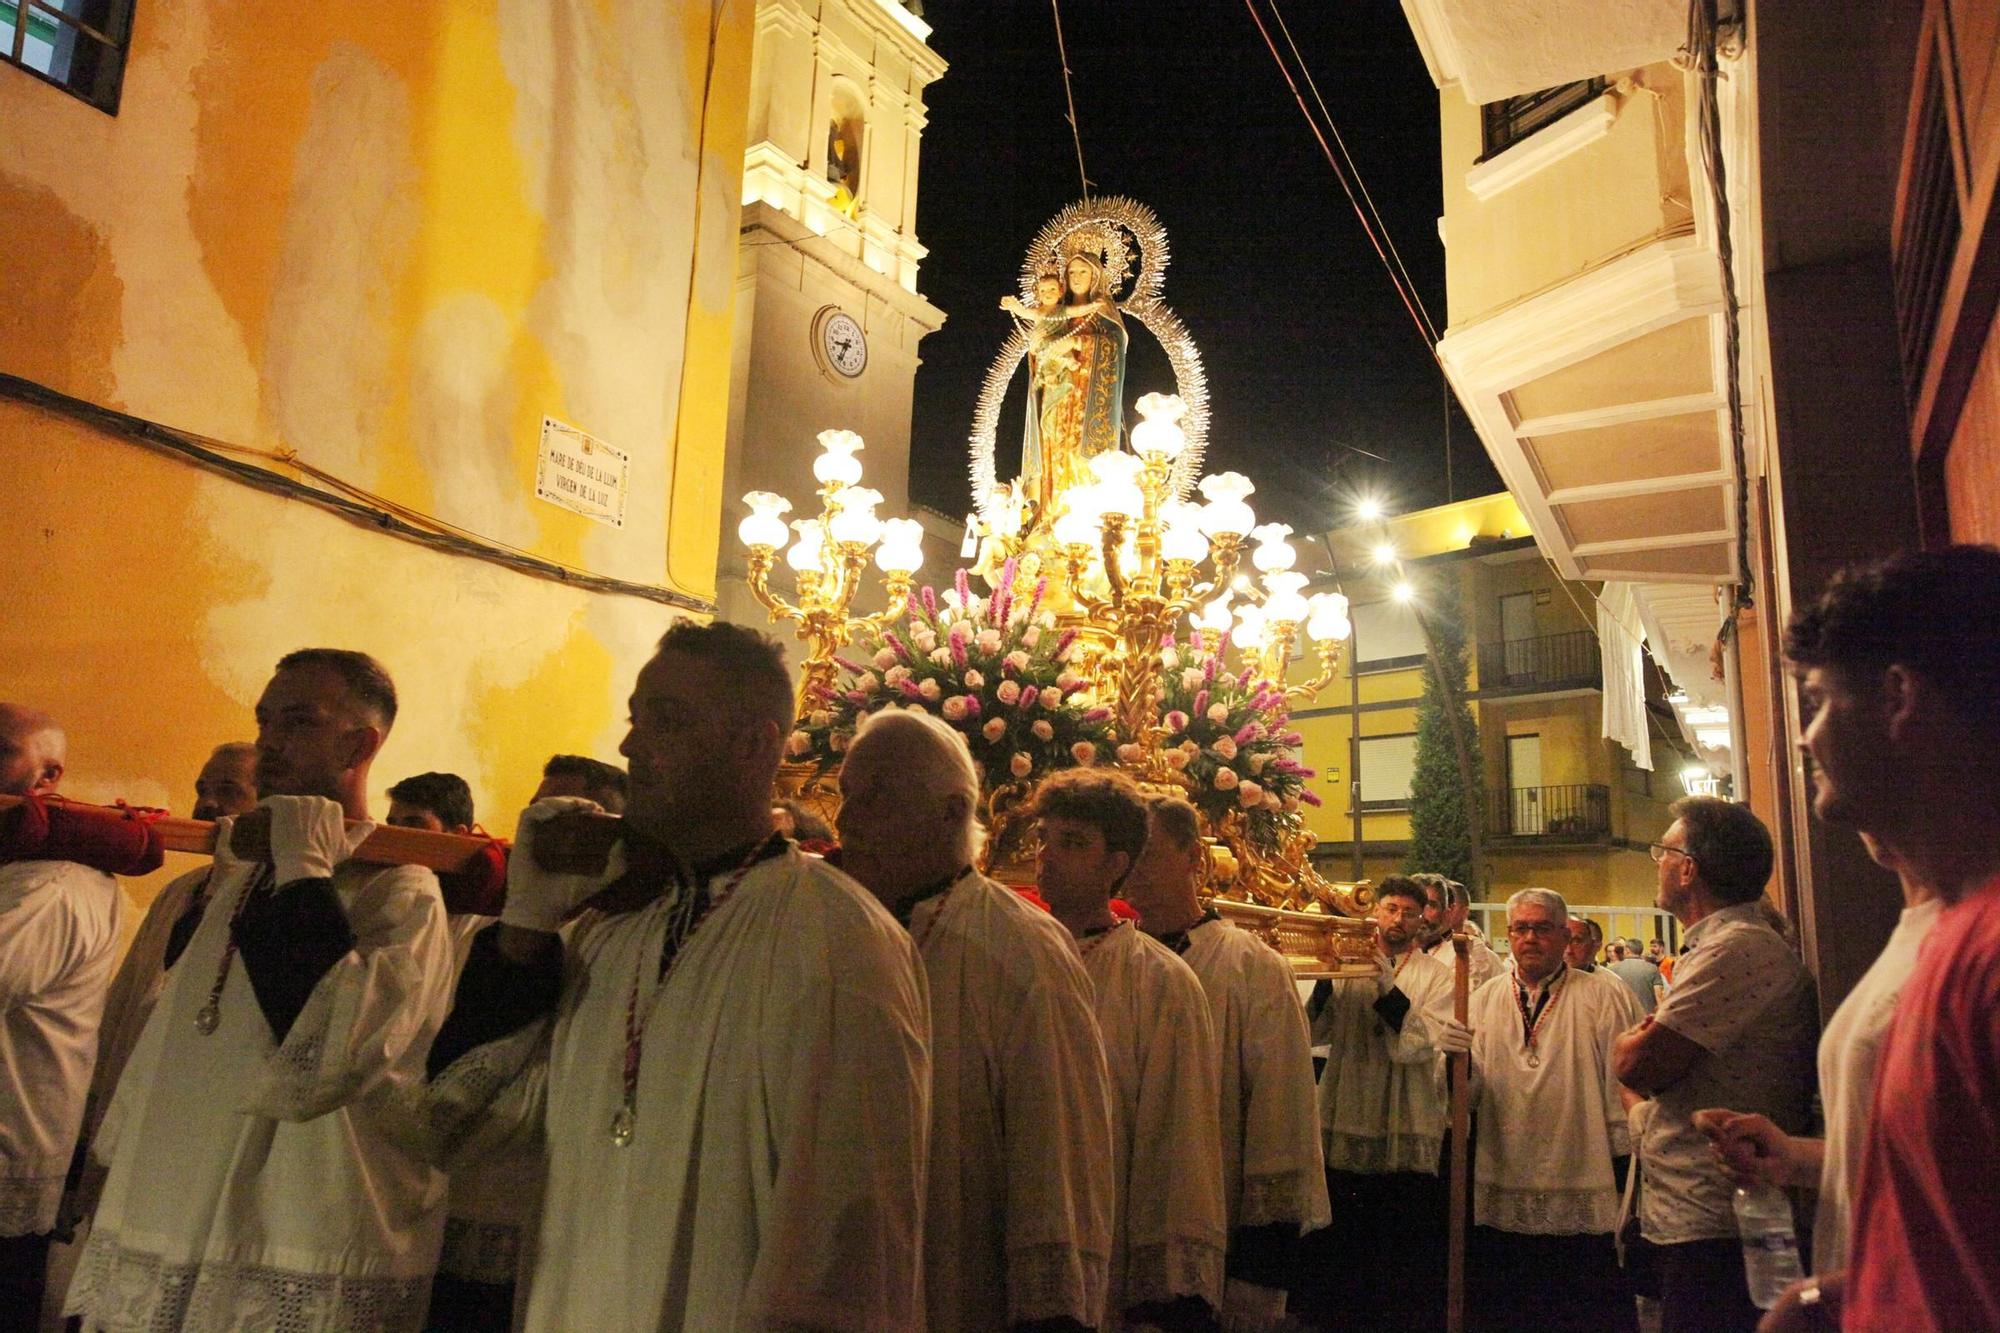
(1732, 684)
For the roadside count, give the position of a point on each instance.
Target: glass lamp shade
(1158, 433)
(902, 549)
(1273, 553)
(1327, 619)
(805, 555)
(765, 526)
(1078, 525)
(1216, 616)
(1226, 510)
(1282, 600)
(1117, 484)
(837, 463)
(1182, 538)
(856, 521)
(1250, 632)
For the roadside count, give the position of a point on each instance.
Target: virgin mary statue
(1076, 381)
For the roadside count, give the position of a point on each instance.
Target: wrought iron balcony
(1552, 662)
(1577, 811)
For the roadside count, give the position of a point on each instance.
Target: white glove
(1249, 1308)
(1454, 1037)
(310, 835)
(226, 858)
(1385, 974)
(539, 899)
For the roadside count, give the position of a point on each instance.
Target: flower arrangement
(1228, 737)
(995, 668)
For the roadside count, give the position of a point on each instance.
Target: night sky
(1307, 346)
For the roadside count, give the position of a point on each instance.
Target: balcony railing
(1505, 123)
(1576, 811)
(1552, 662)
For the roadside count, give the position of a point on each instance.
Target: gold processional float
(1105, 620)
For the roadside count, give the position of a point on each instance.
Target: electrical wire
(1406, 293)
(1075, 132)
(351, 502)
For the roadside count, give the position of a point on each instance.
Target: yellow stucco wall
(1626, 188)
(391, 238)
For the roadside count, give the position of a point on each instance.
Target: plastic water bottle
(1770, 1246)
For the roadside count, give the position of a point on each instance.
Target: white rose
(1068, 680)
(798, 743)
(1191, 679)
(1043, 731)
(867, 682)
(1177, 758)
(989, 640)
(1017, 660)
(1225, 779)
(1250, 795)
(819, 717)
(1008, 692)
(1129, 753)
(926, 641)
(1032, 635)
(974, 681)
(930, 689)
(1051, 698)
(1224, 748)
(1218, 713)
(1084, 753)
(884, 659)
(895, 676)
(994, 729)
(1169, 658)
(941, 657)
(1020, 765)
(1257, 762)
(954, 708)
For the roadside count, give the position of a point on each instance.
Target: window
(78, 45)
(1387, 637)
(1388, 767)
(1510, 120)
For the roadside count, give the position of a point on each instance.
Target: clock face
(843, 344)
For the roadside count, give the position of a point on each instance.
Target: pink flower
(1008, 691)
(930, 690)
(1084, 753)
(1069, 680)
(1225, 779)
(954, 708)
(1028, 696)
(1020, 765)
(857, 697)
(1200, 702)
(1247, 733)
(1248, 794)
(1043, 731)
(958, 645)
(1224, 748)
(1218, 713)
(1311, 798)
(994, 729)
(1176, 720)
(974, 681)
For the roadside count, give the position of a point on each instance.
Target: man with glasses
(1551, 1123)
(1737, 1031)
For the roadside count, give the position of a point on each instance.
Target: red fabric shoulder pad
(117, 843)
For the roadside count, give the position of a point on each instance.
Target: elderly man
(728, 1054)
(248, 1161)
(1018, 1225)
(1737, 1032)
(1274, 1178)
(1170, 1225)
(1382, 1120)
(1901, 667)
(1585, 936)
(1551, 1121)
(58, 935)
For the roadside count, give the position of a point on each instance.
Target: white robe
(1548, 1131)
(252, 1184)
(1272, 1167)
(1482, 964)
(58, 935)
(776, 1173)
(1170, 1230)
(1381, 1096)
(1018, 1225)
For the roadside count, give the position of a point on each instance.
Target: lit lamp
(829, 556)
(1327, 629)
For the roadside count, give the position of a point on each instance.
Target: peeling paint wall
(391, 238)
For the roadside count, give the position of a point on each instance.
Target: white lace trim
(1056, 1281)
(28, 1204)
(1546, 1212)
(481, 1251)
(126, 1291)
(1178, 1267)
(1287, 1196)
(1379, 1156)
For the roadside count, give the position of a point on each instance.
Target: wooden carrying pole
(387, 845)
(1461, 1130)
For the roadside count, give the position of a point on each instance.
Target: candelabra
(1133, 553)
(828, 559)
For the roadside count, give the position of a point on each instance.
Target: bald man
(58, 931)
